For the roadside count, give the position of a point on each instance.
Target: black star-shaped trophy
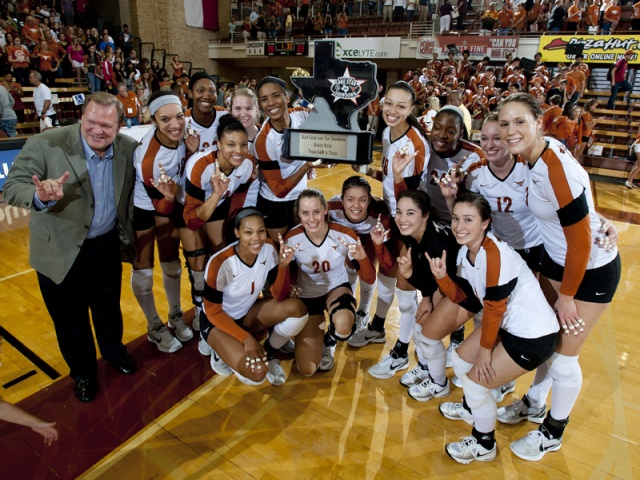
(338, 89)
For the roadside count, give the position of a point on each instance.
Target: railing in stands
(159, 55)
(136, 43)
(146, 49)
(421, 29)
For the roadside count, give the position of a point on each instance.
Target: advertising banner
(596, 48)
(496, 48)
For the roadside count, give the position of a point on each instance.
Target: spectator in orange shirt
(584, 68)
(551, 113)
(18, 58)
(505, 20)
(574, 15)
(45, 64)
(31, 32)
(593, 16)
(519, 18)
(611, 17)
(535, 88)
(131, 104)
(635, 19)
(580, 79)
(489, 20)
(535, 15)
(542, 101)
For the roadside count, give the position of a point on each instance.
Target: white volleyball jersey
(513, 221)
(376, 207)
(499, 273)
(438, 166)
(208, 135)
(415, 143)
(254, 188)
(556, 180)
(321, 268)
(234, 283)
(146, 158)
(201, 166)
(275, 185)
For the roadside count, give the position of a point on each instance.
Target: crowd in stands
(478, 89)
(331, 17)
(57, 44)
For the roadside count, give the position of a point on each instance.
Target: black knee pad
(343, 302)
(194, 253)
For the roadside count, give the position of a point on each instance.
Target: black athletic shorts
(277, 214)
(145, 219)
(206, 326)
(529, 353)
(598, 285)
(317, 305)
(532, 257)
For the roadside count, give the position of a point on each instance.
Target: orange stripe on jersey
(451, 289)
(476, 165)
(494, 310)
(294, 231)
(216, 315)
(162, 206)
(191, 203)
(343, 229)
(472, 148)
(578, 235)
(419, 146)
(270, 166)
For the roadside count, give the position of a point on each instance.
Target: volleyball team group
(505, 233)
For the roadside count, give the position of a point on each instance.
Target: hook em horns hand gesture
(50, 190)
(438, 265)
(286, 252)
(354, 250)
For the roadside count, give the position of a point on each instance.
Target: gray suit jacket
(58, 233)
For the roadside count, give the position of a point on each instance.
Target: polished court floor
(176, 419)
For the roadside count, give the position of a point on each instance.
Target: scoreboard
(286, 47)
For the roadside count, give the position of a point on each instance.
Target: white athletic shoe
(500, 392)
(452, 346)
(158, 334)
(518, 411)
(362, 320)
(326, 363)
(183, 331)
(457, 381)
(276, 375)
(365, 336)
(425, 391)
(196, 318)
(388, 366)
(204, 348)
(468, 449)
(218, 365)
(415, 376)
(455, 411)
(534, 446)
(247, 381)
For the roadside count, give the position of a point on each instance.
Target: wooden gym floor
(176, 419)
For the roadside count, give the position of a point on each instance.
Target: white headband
(162, 101)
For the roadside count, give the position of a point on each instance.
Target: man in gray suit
(78, 182)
